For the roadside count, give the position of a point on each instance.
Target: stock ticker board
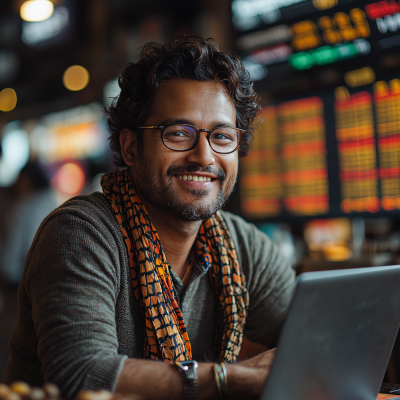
(331, 147)
(288, 169)
(307, 34)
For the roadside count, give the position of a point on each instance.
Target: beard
(163, 196)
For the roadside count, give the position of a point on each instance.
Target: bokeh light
(76, 78)
(34, 33)
(8, 99)
(36, 10)
(15, 153)
(69, 179)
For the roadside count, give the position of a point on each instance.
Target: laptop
(338, 336)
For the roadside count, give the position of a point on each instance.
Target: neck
(177, 236)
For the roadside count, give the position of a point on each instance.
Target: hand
(246, 379)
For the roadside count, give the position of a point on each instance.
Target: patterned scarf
(166, 337)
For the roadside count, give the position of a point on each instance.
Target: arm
(158, 380)
(71, 281)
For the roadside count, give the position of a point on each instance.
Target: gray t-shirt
(78, 318)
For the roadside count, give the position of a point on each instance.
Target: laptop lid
(338, 336)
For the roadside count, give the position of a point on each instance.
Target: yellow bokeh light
(324, 4)
(36, 10)
(8, 99)
(76, 78)
(360, 77)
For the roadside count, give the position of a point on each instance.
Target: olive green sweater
(78, 319)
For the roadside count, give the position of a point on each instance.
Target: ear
(129, 146)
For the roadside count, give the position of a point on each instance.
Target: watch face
(187, 364)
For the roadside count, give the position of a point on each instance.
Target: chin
(196, 212)
(195, 215)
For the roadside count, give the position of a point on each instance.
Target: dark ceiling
(101, 35)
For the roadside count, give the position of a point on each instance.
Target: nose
(202, 153)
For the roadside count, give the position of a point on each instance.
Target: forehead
(199, 102)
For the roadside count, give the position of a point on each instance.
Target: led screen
(328, 73)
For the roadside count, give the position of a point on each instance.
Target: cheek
(167, 159)
(231, 165)
(157, 155)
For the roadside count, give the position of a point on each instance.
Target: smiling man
(149, 287)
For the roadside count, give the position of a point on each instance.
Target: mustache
(180, 169)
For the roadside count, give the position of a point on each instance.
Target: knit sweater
(78, 319)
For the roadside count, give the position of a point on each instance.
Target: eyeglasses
(184, 137)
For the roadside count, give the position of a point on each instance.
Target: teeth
(195, 178)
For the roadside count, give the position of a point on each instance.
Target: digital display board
(358, 174)
(328, 73)
(306, 34)
(288, 37)
(287, 171)
(303, 156)
(261, 184)
(387, 105)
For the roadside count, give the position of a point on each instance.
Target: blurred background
(323, 176)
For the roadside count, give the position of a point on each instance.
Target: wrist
(240, 382)
(207, 387)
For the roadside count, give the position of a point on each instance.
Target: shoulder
(92, 209)
(80, 237)
(94, 204)
(80, 221)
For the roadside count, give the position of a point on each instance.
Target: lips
(195, 178)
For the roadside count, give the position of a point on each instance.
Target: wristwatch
(188, 370)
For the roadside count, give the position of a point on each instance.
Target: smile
(196, 178)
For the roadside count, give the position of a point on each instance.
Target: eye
(178, 133)
(221, 136)
(224, 135)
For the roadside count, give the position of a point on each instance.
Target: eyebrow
(170, 121)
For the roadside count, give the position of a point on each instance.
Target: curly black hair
(189, 57)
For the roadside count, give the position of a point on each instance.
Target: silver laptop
(338, 336)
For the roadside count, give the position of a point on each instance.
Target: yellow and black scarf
(166, 337)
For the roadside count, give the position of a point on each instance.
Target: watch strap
(188, 370)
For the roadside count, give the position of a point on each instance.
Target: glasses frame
(198, 131)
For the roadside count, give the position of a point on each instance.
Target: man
(150, 269)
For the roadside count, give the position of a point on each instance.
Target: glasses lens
(224, 139)
(179, 137)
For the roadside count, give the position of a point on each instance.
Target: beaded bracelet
(221, 379)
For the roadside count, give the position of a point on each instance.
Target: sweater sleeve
(270, 280)
(72, 281)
